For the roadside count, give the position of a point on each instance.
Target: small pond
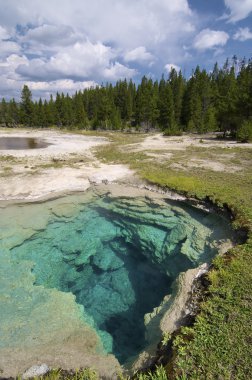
(20, 143)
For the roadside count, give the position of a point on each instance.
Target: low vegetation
(89, 374)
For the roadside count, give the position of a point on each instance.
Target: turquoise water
(117, 256)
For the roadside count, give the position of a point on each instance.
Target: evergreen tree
(226, 103)
(244, 91)
(177, 83)
(210, 121)
(166, 106)
(4, 113)
(80, 117)
(26, 107)
(58, 111)
(143, 99)
(41, 114)
(205, 102)
(13, 112)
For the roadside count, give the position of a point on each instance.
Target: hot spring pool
(20, 143)
(95, 263)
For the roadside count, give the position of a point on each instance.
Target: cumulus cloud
(90, 41)
(66, 85)
(12, 83)
(238, 9)
(117, 70)
(4, 35)
(9, 64)
(81, 60)
(128, 23)
(8, 47)
(138, 54)
(208, 39)
(45, 38)
(45, 89)
(51, 35)
(243, 34)
(77, 42)
(169, 66)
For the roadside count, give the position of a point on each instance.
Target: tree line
(217, 101)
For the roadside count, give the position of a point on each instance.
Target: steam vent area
(86, 278)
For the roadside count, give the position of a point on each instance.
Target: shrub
(244, 132)
(174, 131)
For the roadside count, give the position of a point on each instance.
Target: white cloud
(238, 9)
(129, 23)
(9, 65)
(45, 89)
(169, 66)
(208, 39)
(138, 54)
(45, 38)
(80, 41)
(8, 47)
(118, 71)
(51, 34)
(4, 35)
(243, 34)
(12, 83)
(81, 60)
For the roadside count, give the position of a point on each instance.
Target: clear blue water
(119, 257)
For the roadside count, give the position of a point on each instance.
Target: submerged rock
(106, 259)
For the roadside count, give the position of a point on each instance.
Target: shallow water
(20, 143)
(118, 256)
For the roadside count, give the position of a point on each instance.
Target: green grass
(8, 158)
(84, 374)
(90, 374)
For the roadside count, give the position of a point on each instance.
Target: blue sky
(62, 45)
